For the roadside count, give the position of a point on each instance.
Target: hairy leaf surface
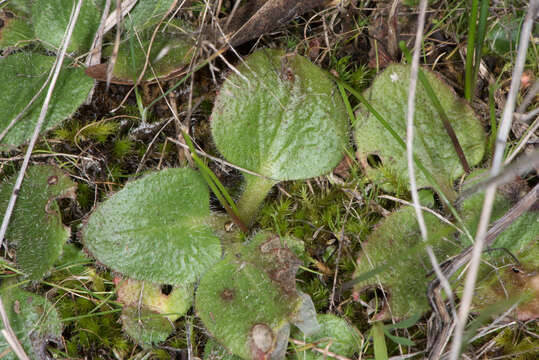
(36, 228)
(155, 229)
(282, 118)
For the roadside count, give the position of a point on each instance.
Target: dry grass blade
(18, 183)
(10, 336)
(116, 48)
(441, 324)
(268, 16)
(501, 139)
(111, 21)
(410, 151)
(94, 56)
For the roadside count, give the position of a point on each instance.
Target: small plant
(159, 229)
(282, 119)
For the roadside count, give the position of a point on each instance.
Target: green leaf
(379, 341)
(73, 260)
(21, 77)
(144, 326)
(51, 17)
(172, 305)
(404, 324)
(155, 229)
(148, 315)
(504, 35)
(343, 339)
(169, 53)
(432, 146)
(36, 228)
(398, 339)
(215, 351)
(503, 277)
(404, 273)
(247, 300)
(16, 30)
(33, 319)
(147, 13)
(282, 118)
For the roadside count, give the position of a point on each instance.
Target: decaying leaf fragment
(148, 314)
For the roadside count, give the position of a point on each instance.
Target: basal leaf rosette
(388, 95)
(247, 300)
(279, 116)
(36, 228)
(394, 255)
(156, 229)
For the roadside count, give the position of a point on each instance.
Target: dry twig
(501, 139)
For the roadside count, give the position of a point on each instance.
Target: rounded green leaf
(21, 77)
(168, 54)
(172, 305)
(148, 315)
(36, 228)
(144, 326)
(432, 146)
(33, 319)
(51, 17)
(282, 117)
(247, 300)
(343, 339)
(155, 229)
(395, 251)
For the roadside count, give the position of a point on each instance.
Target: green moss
(122, 147)
(514, 343)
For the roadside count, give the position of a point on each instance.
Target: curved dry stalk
(501, 140)
(410, 151)
(18, 183)
(10, 336)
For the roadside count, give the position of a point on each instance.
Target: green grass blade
(379, 341)
(215, 185)
(472, 25)
(481, 31)
(441, 112)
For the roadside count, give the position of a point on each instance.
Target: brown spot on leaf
(262, 340)
(52, 180)
(228, 294)
(17, 307)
